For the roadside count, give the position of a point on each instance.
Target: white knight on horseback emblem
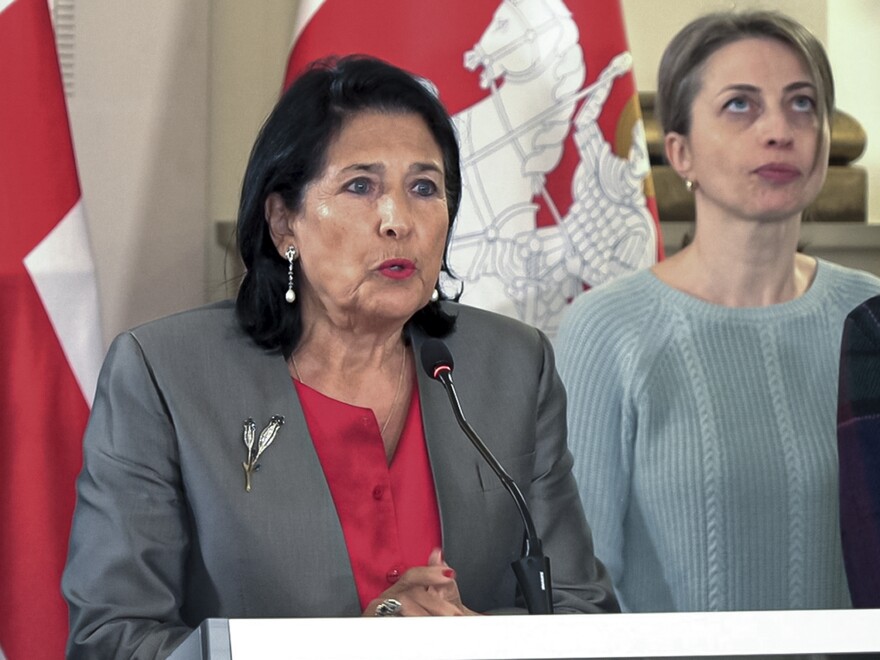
(531, 60)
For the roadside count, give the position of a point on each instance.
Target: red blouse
(388, 513)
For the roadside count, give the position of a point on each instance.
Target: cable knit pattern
(704, 442)
(794, 476)
(715, 559)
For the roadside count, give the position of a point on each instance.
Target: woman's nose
(776, 128)
(395, 220)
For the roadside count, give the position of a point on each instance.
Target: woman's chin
(394, 307)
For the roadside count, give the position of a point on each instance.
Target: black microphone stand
(532, 570)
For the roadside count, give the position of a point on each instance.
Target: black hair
(290, 153)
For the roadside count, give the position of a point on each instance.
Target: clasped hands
(429, 590)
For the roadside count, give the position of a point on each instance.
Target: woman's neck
(337, 361)
(370, 370)
(737, 263)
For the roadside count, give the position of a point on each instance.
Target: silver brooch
(256, 447)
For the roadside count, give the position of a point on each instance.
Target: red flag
(48, 333)
(557, 189)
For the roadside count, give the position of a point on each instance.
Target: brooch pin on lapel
(255, 446)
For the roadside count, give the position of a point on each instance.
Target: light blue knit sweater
(704, 442)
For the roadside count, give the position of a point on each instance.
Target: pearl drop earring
(291, 255)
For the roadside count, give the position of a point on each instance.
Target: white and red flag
(50, 346)
(557, 189)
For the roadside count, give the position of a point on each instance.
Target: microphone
(532, 570)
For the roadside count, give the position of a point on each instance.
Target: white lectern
(525, 637)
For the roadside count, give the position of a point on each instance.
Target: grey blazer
(164, 534)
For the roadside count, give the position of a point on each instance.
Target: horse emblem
(531, 61)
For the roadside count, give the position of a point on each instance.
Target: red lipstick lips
(397, 269)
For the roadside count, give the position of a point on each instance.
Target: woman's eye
(425, 188)
(738, 104)
(359, 186)
(803, 104)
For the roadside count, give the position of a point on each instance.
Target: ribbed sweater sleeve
(704, 441)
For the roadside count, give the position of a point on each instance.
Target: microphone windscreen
(435, 354)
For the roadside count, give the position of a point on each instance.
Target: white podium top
(558, 636)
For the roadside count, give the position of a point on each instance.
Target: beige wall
(854, 48)
(650, 24)
(170, 95)
(250, 43)
(139, 116)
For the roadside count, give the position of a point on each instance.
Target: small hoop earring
(291, 255)
(689, 185)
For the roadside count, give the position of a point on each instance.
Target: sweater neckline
(687, 302)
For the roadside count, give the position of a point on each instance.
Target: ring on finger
(389, 607)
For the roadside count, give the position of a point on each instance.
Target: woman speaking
(282, 456)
